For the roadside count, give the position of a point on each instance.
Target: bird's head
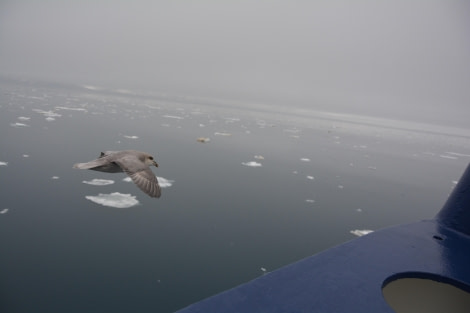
(150, 161)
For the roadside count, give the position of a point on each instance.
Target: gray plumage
(133, 163)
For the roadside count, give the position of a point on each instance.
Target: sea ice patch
(252, 164)
(361, 232)
(115, 200)
(3, 163)
(98, 182)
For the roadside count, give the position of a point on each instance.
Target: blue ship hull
(417, 267)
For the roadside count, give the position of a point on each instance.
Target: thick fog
(398, 59)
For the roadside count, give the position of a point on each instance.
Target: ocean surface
(247, 189)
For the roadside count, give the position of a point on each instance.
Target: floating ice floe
(24, 118)
(361, 232)
(310, 177)
(310, 201)
(340, 186)
(222, 134)
(305, 159)
(448, 157)
(458, 154)
(163, 182)
(49, 115)
(115, 200)
(259, 157)
(99, 182)
(174, 117)
(3, 163)
(203, 139)
(90, 87)
(55, 177)
(19, 125)
(72, 109)
(25, 155)
(131, 137)
(4, 211)
(252, 164)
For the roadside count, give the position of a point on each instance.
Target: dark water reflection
(220, 223)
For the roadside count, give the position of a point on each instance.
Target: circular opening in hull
(431, 294)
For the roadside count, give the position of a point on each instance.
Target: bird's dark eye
(151, 158)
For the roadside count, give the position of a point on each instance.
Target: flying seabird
(133, 163)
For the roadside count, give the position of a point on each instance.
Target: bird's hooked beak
(155, 164)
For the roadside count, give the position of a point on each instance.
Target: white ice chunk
(174, 117)
(131, 137)
(259, 157)
(19, 125)
(310, 177)
(448, 157)
(164, 183)
(115, 200)
(252, 164)
(4, 211)
(3, 163)
(24, 118)
(458, 154)
(99, 182)
(55, 177)
(310, 201)
(361, 232)
(305, 159)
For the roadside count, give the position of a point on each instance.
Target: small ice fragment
(131, 137)
(55, 177)
(19, 125)
(263, 270)
(222, 134)
(4, 211)
(361, 232)
(127, 179)
(358, 210)
(203, 139)
(305, 159)
(202, 125)
(50, 119)
(295, 172)
(448, 157)
(252, 164)
(25, 155)
(259, 157)
(174, 117)
(165, 183)
(310, 201)
(458, 154)
(99, 182)
(115, 200)
(310, 177)
(340, 186)
(24, 118)
(3, 163)
(455, 182)
(372, 167)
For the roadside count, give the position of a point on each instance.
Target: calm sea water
(273, 185)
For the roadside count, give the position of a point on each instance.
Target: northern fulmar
(133, 163)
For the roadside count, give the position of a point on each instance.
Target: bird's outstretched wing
(140, 174)
(92, 164)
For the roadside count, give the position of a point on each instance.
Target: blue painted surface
(350, 277)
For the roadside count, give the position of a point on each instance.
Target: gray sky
(400, 58)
